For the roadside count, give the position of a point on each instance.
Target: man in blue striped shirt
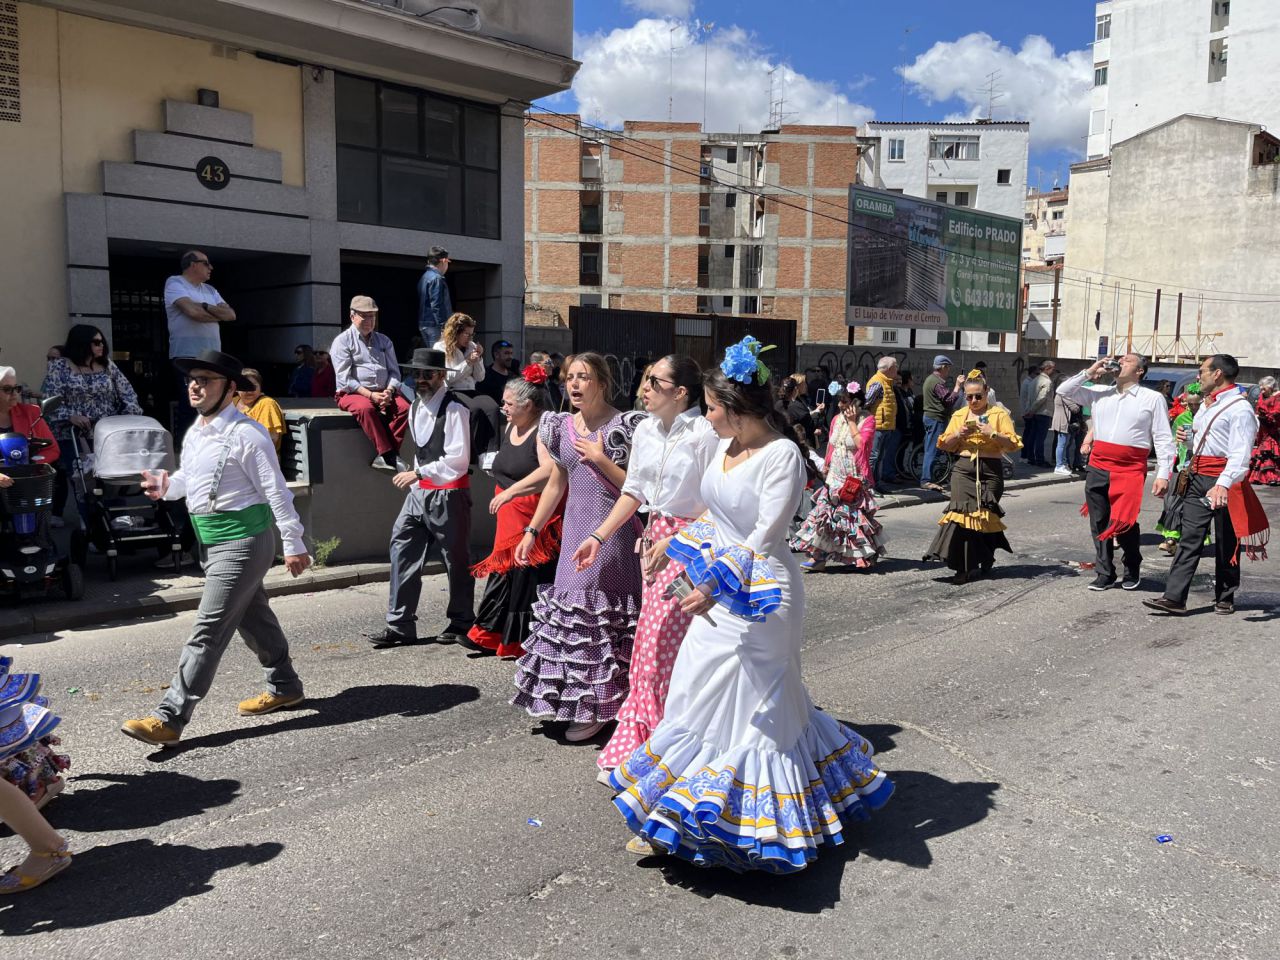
(367, 376)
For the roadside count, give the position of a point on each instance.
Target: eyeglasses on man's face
(202, 382)
(12, 389)
(203, 263)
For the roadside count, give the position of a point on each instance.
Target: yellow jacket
(887, 408)
(976, 445)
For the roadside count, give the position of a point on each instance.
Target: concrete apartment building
(981, 165)
(662, 216)
(314, 149)
(1044, 232)
(1180, 196)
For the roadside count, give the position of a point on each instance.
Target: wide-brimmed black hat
(424, 358)
(218, 362)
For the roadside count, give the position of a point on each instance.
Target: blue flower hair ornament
(742, 361)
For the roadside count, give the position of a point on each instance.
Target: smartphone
(821, 397)
(982, 418)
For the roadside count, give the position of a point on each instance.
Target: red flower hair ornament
(534, 374)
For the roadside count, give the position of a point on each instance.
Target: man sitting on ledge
(367, 376)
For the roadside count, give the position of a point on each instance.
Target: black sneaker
(1132, 581)
(390, 638)
(1102, 583)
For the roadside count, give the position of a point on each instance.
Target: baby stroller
(115, 515)
(30, 562)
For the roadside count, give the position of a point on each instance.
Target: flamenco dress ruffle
(27, 757)
(749, 809)
(839, 532)
(576, 656)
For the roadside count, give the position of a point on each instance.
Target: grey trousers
(431, 518)
(233, 598)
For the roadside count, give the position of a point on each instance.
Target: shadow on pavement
(354, 705)
(923, 807)
(880, 735)
(132, 879)
(132, 801)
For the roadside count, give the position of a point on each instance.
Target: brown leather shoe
(1165, 605)
(267, 702)
(151, 730)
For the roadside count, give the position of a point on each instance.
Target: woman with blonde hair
(463, 356)
(972, 528)
(579, 647)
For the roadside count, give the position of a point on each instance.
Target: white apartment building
(1154, 60)
(982, 164)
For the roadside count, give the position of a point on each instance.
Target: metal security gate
(632, 339)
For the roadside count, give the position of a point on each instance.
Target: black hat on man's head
(424, 358)
(219, 362)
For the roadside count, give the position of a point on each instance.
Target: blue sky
(839, 59)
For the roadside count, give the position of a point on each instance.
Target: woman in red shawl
(1266, 449)
(502, 622)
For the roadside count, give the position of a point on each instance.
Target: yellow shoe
(267, 702)
(151, 730)
(643, 848)
(15, 881)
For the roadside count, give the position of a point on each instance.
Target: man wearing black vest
(436, 511)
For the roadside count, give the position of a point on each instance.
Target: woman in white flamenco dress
(744, 771)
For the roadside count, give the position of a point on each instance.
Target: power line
(657, 157)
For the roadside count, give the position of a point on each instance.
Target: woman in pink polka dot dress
(669, 455)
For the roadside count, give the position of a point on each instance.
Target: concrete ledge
(212, 122)
(51, 617)
(171, 151)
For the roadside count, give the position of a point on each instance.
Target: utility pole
(671, 67)
(1057, 286)
(1177, 333)
(706, 47)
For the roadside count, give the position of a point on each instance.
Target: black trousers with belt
(1197, 517)
(1097, 489)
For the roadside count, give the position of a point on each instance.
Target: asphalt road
(1040, 737)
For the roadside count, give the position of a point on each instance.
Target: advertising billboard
(913, 263)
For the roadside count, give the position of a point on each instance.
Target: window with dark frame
(728, 251)
(418, 160)
(731, 155)
(1003, 175)
(730, 200)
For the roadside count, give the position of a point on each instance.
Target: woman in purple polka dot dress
(579, 648)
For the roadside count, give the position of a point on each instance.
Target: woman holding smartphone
(972, 529)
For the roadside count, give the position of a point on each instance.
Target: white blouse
(462, 375)
(666, 467)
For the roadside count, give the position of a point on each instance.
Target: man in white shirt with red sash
(1128, 420)
(1219, 494)
(436, 511)
(230, 477)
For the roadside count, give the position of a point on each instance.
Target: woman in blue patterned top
(91, 387)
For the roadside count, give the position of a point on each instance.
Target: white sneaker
(578, 732)
(1062, 471)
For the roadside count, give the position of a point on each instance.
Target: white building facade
(1154, 60)
(982, 164)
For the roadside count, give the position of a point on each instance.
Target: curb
(889, 501)
(90, 614)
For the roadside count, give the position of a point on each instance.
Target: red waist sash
(1248, 519)
(462, 483)
(1128, 469)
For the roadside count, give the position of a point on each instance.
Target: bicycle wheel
(942, 465)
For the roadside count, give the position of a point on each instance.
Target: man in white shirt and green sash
(231, 480)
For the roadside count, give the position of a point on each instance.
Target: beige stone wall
(86, 86)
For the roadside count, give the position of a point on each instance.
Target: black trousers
(1097, 486)
(1196, 520)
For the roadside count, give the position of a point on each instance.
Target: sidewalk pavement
(143, 591)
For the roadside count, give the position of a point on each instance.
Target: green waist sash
(222, 527)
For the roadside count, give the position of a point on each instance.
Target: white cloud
(1040, 85)
(662, 8)
(629, 74)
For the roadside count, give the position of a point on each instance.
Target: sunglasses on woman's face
(98, 342)
(655, 381)
(970, 397)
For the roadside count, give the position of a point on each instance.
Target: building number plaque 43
(212, 173)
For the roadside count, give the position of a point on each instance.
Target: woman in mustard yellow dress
(256, 405)
(972, 529)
